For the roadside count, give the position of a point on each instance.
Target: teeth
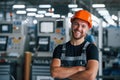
(77, 32)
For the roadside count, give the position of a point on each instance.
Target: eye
(75, 24)
(84, 25)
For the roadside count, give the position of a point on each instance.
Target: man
(74, 60)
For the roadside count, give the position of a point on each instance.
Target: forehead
(80, 21)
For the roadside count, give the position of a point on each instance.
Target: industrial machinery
(12, 38)
(12, 47)
(50, 33)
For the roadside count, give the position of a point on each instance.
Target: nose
(79, 27)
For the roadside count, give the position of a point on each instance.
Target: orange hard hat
(83, 15)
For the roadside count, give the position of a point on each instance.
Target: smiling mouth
(77, 32)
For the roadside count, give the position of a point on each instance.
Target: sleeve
(57, 52)
(90, 38)
(92, 52)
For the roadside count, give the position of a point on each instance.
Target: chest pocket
(75, 60)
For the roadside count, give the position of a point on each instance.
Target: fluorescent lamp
(18, 6)
(39, 15)
(98, 5)
(41, 12)
(31, 14)
(103, 12)
(45, 6)
(20, 12)
(72, 5)
(48, 14)
(31, 9)
(109, 20)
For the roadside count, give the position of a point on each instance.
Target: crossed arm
(74, 73)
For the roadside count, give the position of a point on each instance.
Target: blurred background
(31, 29)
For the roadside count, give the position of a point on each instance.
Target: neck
(76, 42)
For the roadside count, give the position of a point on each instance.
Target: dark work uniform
(71, 55)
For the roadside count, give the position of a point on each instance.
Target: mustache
(73, 30)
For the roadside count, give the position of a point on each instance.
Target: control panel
(40, 69)
(12, 38)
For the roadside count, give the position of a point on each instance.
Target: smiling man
(77, 59)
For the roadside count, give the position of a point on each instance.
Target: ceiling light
(45, 6)
(103, 12)
(48, 14)
(31, 9)
(31, 14)
(98, 5)
(20, 12)
(72, 5)
(39, 15)
(18, 6)
(109, 20)
(41, 12)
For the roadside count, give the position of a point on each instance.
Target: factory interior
(31, 29)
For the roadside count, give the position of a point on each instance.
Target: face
(79, 29)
